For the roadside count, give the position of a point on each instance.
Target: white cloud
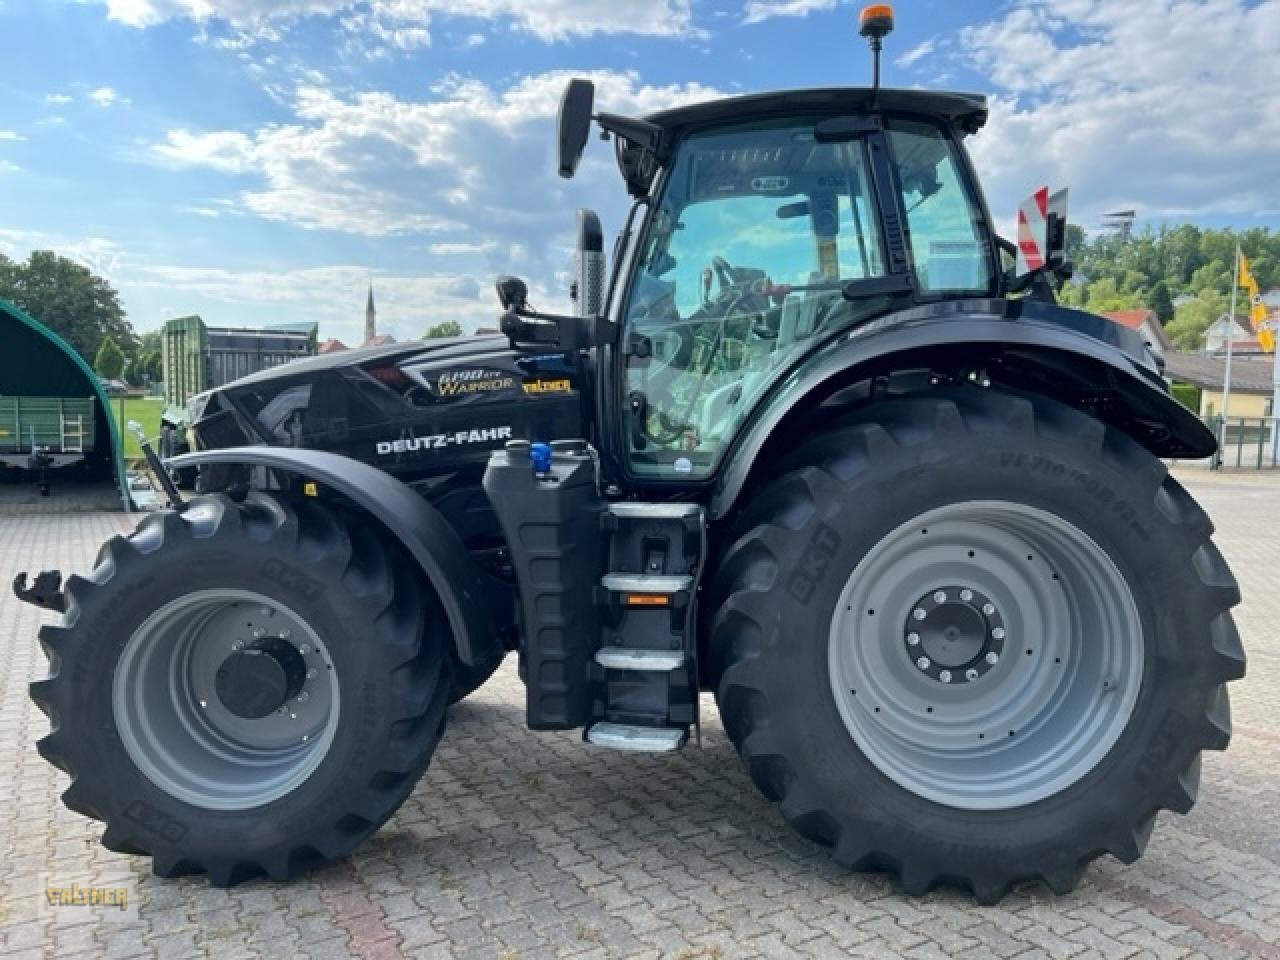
(98, 254)
(332, 295)
(918, 52)
(460, 248)
(759, 10)
(7, 167)
(1163, 106)
(11, 136)
(473, 158)
(106, 97)
(407, 20)
(225, 151)
(58, 99)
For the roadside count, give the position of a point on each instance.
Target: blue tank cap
(540, 456)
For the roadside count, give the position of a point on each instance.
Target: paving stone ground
(525, 845)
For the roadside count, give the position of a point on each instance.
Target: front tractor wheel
(244, 689)
(975, 637)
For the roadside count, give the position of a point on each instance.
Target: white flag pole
(1275, 388)
(1231, 339)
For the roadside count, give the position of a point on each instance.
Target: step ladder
(72, 433)
(645, 671)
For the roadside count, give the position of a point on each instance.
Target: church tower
(370, 318)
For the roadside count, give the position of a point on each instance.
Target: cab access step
(608, 599)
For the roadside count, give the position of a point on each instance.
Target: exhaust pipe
(588, 284)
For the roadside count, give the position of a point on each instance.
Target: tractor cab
(762, 228)
(773, 223)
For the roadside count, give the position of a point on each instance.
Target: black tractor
(816, 440)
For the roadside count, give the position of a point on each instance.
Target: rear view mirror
(574, 123)
(512, 292)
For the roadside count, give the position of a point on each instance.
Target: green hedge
(1187, 394)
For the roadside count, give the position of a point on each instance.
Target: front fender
(1110, 361)
(418, 526)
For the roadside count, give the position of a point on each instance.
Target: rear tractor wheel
(244, 689)
(1006, 642)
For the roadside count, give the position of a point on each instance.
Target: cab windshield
(757, 230)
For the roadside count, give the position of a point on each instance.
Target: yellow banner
(1257, 309)
(1246, 275)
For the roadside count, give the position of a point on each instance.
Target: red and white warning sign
(1033, 227)
(1033, 231)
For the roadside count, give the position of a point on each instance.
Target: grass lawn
(146, 410)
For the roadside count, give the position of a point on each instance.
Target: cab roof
(968, 111)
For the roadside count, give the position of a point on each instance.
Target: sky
(258, 161)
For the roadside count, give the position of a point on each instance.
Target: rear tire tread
(744, 583)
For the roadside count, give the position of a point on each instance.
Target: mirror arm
(525, 327)
(639, 131)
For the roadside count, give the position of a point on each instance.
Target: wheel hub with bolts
(226, 699)
(954, 634)
(261, 677)
(985, 655)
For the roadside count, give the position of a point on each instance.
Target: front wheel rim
(1017, 715)
(179, 732)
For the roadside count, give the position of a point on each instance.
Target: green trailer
(59, 428)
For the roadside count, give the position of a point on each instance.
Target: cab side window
(948, 244)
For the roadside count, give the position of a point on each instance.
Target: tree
(1161, 303)
(133, 373)
(75, 304)
(109, 361)
(154, 369)
(1191, 320)
(445, 328)
(1074, 242)
(1104, 294)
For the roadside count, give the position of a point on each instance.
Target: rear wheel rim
(1018, 717)
(180, 734)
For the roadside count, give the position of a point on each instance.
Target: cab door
(756, 232)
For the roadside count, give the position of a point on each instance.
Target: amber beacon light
(875, 23)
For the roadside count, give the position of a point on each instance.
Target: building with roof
(1251, 383)
(56, 424)
(196, 357)
(1244, 341)
(371, 320)
(1147, 324)
(332, 345)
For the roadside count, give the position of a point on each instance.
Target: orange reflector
(646, 600)
(309, 489)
